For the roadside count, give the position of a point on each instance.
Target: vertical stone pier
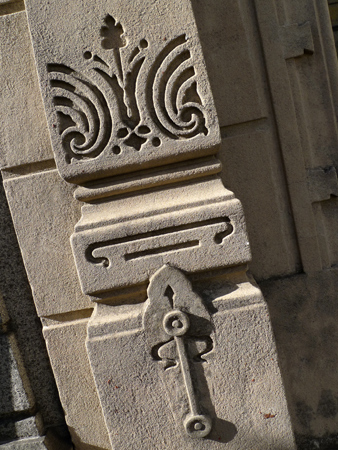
(179, 343)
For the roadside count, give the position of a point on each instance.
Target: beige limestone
(24, 138)
(66, 348)
(303, 311)
(194, 227)
(44, 214)
(233, 63)
(239, 383)
(269, 226)
(154, 216)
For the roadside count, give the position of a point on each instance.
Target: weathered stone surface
(24, 137)
(44, 213)
(25, 444)
(40, 443)
(229, 41)
(4, 317)
(27, 344)
(304, 312)
(11, 429)
(15, 392)
(147, 59)
(142, 73)
(17, 303)
(194, 227)
(250, 160)
(238, 382)
(67, 351)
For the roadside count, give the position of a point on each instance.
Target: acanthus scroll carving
(102, 108)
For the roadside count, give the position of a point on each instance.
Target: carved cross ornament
(133, 124)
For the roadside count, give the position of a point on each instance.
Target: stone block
(67, 352)
(251, 169)
(11, 429)
(194, 227)
(237, 381)
(124, 88)
(40, 443)
(44, 214)
(230, 45)
(24, 138)
(15, 392)
(25, 444)
(304, 312)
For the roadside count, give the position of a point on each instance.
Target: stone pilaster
(179, 343)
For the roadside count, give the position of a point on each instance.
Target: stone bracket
(297, 40)
(322, 183)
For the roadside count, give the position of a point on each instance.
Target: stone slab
(25, 444)
(24, 137)
(44, 213)
(304, 311)
(17, 304)
(69, 360)
(251, 169)
(124, 88)
(40, 443)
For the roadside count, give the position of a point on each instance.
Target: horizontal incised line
(152, 234)
(165, 249)
(66, 318)
(251, 126)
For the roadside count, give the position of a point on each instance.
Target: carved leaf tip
(112, 34)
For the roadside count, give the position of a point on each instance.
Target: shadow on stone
(25, 326)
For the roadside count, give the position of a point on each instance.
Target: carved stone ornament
(178, 328)
(123, 89)
(133, 123)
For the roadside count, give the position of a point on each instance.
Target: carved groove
(164, 249)
(178, 335)
(178, 114)
(87, 131)
(163, 232)
(85, 123)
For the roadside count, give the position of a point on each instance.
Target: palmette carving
(178, 329)
(102, 110)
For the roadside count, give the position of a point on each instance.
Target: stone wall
(273, 73)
